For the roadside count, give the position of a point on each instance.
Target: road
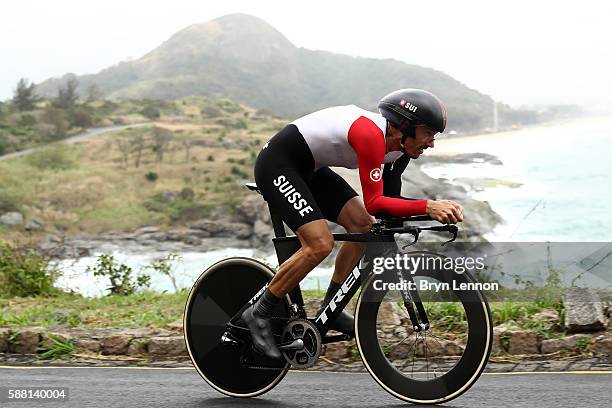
(182, 387)
(88, 134)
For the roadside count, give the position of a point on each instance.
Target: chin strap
(407, 131)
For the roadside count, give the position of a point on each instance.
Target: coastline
(449, 145)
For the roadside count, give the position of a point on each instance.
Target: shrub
(151, 176)
(27, 120)
(53, 158)
(210, 158)
(121, 277)
(24, 272)
(81, 118)
(150, 112)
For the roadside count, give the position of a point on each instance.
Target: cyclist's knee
(319, 248)
(360, 225)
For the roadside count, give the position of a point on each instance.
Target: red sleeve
(368, 142)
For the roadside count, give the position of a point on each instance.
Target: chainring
(306, 331)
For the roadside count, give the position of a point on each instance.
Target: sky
(519, 52)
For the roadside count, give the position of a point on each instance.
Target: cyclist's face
(425, 138)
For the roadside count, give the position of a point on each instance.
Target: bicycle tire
(217, 295)
(440, 389)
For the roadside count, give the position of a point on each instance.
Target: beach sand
(448, 145)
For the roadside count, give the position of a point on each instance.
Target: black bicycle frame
(286, 246)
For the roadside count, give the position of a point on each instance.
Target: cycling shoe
(344, 323)
(261, 333)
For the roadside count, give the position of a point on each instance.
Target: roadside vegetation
(191, 159)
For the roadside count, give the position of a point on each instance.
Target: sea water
(565, 173)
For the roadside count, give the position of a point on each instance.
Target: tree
(161, 140)
(24, 97)
(67, 95)
(137, 144)
(93, 93)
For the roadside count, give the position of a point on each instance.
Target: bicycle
(221, 349)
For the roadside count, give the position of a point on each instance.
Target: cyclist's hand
(445, 211)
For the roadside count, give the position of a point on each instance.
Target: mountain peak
(232, 36)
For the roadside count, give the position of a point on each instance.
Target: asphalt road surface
(142, 387)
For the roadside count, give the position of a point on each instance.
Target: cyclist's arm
(369, 143)
(392, 176)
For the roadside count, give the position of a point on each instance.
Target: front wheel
(429, 366)
(218, 294)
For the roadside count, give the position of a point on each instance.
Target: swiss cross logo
(375, 175)
(402, 103)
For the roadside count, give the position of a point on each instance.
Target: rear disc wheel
(218, 294)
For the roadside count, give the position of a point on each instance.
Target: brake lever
(415, 233)
(454, 230)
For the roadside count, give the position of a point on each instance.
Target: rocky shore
(248, 224)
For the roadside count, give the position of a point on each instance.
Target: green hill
(243, 58)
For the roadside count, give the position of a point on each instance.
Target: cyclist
(293, 175)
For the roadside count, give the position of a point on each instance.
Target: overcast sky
(519, 52)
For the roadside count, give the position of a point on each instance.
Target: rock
(389, 313)
(567, 343)
(452, 348)
(138, 347)
(223, 228)
(11, 218)
(337, 351)
(583, 311)
(252, 208)
(177, 325)
(34, 225)
(115, 344)
(167, 346)
(602, 345)
(88, 345)
(167, 196)
(149, 229)
(522, 342)
(4, 339)
(26, 341)
(496, 346)
(262, 231)
(547, 315)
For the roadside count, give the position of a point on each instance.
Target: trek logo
(408, 105)
(346, 286)
(376, 175)
(258, 294)
(292, 196)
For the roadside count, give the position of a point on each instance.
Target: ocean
(565, 171)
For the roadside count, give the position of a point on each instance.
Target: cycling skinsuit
(292, 169)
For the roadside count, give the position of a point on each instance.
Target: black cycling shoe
(344, 323)
(261, 333)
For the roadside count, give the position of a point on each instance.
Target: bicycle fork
(412, 300)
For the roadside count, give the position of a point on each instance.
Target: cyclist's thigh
(331, 192)
(282, 184)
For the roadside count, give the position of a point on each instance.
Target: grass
(140, 310)
(59, 348)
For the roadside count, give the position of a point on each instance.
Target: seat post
(277, 223)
